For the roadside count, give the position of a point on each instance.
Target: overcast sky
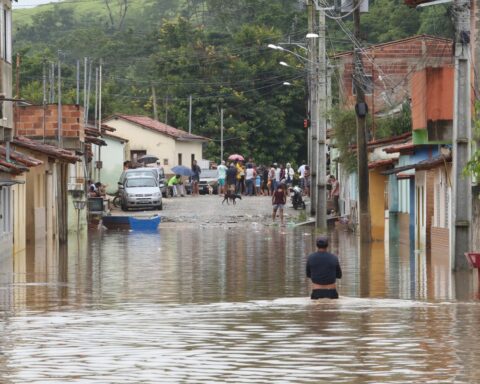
(31, 3)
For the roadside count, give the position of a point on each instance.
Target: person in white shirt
(301, 172)
(222, 175)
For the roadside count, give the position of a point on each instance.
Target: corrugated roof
(155, 125)
(47, 149)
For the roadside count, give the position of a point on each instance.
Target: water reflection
(229, 304)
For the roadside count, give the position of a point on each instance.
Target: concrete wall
(157, 144)
(6, 220)
(432, 96)
(187, 149)
(112, 158)
(6, 71)
(19, 215)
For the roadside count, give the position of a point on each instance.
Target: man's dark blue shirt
(323, 268)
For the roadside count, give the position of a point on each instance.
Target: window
(165, 161)
(366, 83)
(192, 157)
(134, 155)
(179, 159)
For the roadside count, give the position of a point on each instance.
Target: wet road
(227, 303)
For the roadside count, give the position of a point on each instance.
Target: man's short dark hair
(322, 242)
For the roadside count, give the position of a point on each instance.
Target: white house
(148, 136)
(113, 156)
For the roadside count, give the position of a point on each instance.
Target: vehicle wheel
(124, 208)
(160, 207)
(303, 205)
(116, 201)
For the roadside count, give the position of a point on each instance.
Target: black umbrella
(147, 159)
(182, 170)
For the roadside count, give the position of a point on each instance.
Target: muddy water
(228, 304)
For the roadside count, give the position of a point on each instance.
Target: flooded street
(228, 303)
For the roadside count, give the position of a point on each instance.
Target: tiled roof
(402, 148)
(47, 149)
(155, 125)
(18, 162)
(380, 163)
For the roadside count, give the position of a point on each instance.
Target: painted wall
(152, 142)
(377, 204)
(113, 156)
(6, 220)
(19, 215)
(187, 149)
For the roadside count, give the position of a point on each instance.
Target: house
(46, 189)
(107, 153)
(388, 68)
(113, 155)
(148, 136)
(38, 125)
(8, 171)
(397, 72)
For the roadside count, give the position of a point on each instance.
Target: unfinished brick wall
(391, 66)
(29, 121)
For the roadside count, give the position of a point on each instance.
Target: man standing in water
(323, 268)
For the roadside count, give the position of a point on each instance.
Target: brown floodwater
(229, 304)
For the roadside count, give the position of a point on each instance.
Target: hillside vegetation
(214, 50)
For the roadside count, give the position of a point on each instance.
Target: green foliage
(473, 166)
(394, 125)
(345, 131)
(214, 50)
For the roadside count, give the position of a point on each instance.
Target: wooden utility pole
(361, 110)
(462, 136)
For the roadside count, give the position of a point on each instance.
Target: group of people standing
(248, 179)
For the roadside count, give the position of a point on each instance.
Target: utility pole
(85, 63)
(221, 135)
(100, 118)
(361, 110)
(321, 210)
(59, 103)
(166, 109)
(52, 83)
(17, 81)
(77, 101)
(44, 100)
(154, 102)
(462, 135)
(313, 77)
(95, 113)
(190, 115)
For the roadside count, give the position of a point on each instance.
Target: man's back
(323, 268)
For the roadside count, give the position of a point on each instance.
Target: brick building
(388, 68)
(39, 123)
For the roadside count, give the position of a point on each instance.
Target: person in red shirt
(279, 199)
